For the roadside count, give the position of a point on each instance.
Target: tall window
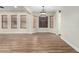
(51, 22)
(23, 21)
(14, 21)
(43, 22)
(4, 22)
(34, 21)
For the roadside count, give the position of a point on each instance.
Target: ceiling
(47, 8)
(32, 8)
(12, 8)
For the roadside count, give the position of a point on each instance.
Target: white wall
(70, 26)
(57, 21)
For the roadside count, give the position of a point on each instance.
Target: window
(51, 21)
(43, 22)
(23, 21)
(13, 21)
(4, 22)
(34, 21)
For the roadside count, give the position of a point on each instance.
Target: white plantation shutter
(13, 21)
(4, 21)
(22, 21)
(51, 22)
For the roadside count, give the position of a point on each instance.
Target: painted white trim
(16, 33)
(72, 45)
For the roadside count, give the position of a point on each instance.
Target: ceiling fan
(43, 12)
(1, 7)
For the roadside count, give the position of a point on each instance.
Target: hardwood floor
(34, 43)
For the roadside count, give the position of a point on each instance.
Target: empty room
(39, 29)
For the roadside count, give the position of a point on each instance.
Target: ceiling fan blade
(1, 7)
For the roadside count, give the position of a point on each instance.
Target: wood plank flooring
(33, 43)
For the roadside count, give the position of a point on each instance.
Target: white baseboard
(72, 45)
(16, 32)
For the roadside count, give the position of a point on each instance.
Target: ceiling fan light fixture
(43, 13)
(15, 6)
(1, 7)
